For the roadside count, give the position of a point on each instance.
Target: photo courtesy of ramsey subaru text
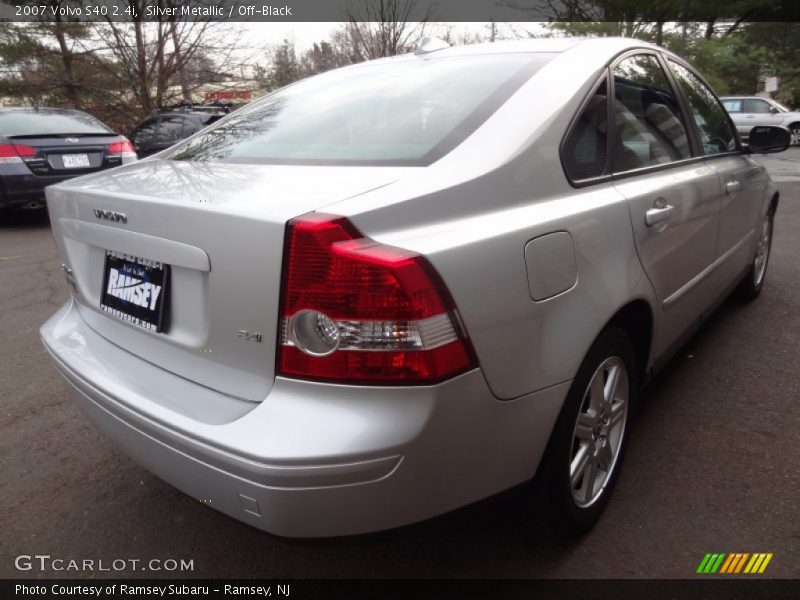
(399, 287)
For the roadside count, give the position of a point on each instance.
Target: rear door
(673, 196)
(734, 108)
(741, 179)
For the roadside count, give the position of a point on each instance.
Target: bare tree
(154, 59)
(142, 58)
(379, 28)
(60, 30)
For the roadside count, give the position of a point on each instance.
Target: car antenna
(430, 44)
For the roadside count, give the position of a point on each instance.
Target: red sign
(228, 95)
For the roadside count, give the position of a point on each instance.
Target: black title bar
(733, 588)
(405, 10)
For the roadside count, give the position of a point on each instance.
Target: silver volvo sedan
(396, 288)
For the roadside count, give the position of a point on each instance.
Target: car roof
(545, 45)
(599, 48)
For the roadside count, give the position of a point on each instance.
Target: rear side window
(586, 146)
(717, 135)
(50, 122)
(172, 129)
(406, 111)
(144, 134)
(732, 106)
(650, 128)
(208, 121)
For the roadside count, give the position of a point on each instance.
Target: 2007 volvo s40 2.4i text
(399, 287)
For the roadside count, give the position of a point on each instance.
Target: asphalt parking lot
(712, 463)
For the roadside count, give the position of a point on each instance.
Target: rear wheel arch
(773, 203)
(636, 320)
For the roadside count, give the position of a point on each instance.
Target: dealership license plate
(134, 290)
(75, 161)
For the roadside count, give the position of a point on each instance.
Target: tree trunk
(659, 33)
(71, 84)
(184, 79)
(141, 67)
(162, 76)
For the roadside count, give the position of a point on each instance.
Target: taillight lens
(357, 311)
(122, 149)
(10, 153)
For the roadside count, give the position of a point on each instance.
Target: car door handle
(749, 116)
(732, 186)
(658, 215)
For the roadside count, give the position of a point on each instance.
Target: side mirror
(766, 139)
(773, 110)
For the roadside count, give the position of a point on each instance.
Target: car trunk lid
(68, 154)
(219, 228)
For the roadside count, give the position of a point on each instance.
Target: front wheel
(794, 128)
(584, 455)
(750, 286)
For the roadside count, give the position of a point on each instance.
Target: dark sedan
(42, 146)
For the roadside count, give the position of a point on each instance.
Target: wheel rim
(762, 252)
(599, 431)
(795, 136)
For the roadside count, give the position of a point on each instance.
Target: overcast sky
(306, 33)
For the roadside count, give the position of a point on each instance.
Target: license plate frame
(75, 161)
(135, 290)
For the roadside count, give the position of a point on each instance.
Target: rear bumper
(311, 459)
(20, 190)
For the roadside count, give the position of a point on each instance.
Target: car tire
(753, 281)
(560, 501)
(794, 128)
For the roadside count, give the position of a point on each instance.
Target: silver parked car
(751, 111)
(396, 288)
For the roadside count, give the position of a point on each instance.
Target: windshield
(406, 112)
(50, 122)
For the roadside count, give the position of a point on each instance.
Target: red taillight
(16, 152)
(354, 310)
(121, 148)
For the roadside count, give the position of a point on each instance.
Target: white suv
(749, 111)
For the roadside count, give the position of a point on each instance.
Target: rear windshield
(406, 112)
(50, 122)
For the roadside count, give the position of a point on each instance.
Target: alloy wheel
(762, 252)
(599, 430)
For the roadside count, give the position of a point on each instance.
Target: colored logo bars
(737, 562)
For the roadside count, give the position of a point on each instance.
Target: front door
(756, 111)
(674, 209)
(741, 180)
